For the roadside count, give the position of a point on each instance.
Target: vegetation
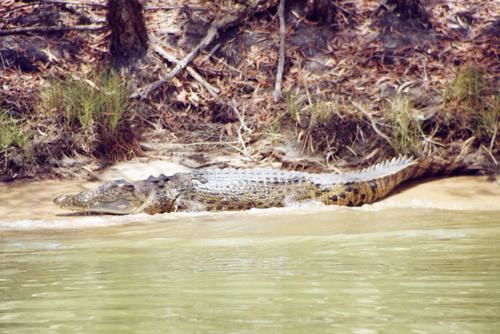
(333, 127)
(406, 131)
(293, 106)
(14, 142)
(84, 102)
(471, 99)
(87, 116)
(94, 112)
(470, 113)
(308, 110)
(11, 134)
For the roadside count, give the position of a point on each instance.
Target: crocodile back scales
(239, 189)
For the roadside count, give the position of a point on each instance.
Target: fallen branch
(281, 58)
(71, 7)
(212, 32)
(490, 154)
(62, 2)
(242, 129)
(171, 58)
(27, 30)
(216, 27)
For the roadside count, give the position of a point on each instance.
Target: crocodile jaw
(117, 197)
(80, 203)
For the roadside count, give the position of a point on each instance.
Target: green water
(276, 271)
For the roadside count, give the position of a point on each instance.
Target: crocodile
(242, 189)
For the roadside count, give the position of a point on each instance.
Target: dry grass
(406, 136)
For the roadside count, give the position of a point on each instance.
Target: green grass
(406, 131)
(468, 86)
(100, 98)
(11, 133)
(472, 99)
(318, 112)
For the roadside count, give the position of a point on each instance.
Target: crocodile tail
(377, 181)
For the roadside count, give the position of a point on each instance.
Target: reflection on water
(337, 271)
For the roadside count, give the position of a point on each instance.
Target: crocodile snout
(62, 200)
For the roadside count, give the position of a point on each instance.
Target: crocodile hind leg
(307, 193)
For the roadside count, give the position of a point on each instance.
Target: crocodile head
(118, 197)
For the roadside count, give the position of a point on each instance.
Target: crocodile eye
(127, 186)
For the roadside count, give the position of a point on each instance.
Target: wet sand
(453, 193)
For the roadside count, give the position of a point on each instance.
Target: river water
(387, 268)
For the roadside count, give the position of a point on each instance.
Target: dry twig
(76, 3)
(281, 58)
(171, 58)
(373, 123)
(242, 130)
(26, 30)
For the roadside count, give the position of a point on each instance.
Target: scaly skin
(231, 189)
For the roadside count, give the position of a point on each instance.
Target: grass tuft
(293, 105)
(100, 98)
(406, 130)
(468, 86)
(476, 103)
(309, 112)
(11, 133)
(94, 115)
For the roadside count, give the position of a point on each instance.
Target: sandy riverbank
(33, 200)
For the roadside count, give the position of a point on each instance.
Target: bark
(129, 38)
(321, 11)
(406, 9)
